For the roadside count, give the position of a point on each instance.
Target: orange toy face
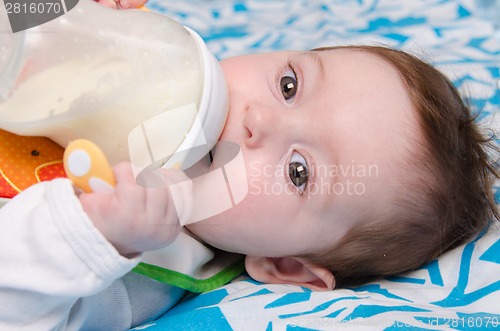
(25, 161)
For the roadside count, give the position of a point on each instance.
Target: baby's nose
(260, 123)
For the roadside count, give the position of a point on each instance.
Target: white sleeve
(50, 256)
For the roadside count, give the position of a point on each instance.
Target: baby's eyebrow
(313, 56)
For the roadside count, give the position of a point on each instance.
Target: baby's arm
(52, 255)
(122, 4)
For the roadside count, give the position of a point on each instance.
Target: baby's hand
(122, 4)
(135, 219)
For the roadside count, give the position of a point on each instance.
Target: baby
(361, 161)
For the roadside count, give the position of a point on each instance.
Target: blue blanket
(458, 291)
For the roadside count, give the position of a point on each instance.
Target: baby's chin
(204, 228)
(195, 229)
(208, 231)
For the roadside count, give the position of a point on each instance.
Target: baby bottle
(140, 85)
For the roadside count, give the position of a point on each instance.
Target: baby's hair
(446, 201)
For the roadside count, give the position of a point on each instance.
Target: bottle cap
(212, 111)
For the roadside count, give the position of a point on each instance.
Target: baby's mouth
(224, 152)
(225, 175)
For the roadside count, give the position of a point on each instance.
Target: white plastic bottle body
(70, 77)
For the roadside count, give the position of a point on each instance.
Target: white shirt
(60, 273)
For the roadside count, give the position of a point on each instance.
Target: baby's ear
(289, 270)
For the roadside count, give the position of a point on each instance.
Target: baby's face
(323, 135)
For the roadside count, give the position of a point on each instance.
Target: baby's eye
(298, 171)
(289, 85)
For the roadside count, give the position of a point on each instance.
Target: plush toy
(87, 166)
(25, 161)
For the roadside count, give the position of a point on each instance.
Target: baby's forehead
(358, 58)
(386, 133)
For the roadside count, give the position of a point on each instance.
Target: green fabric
(189, 283)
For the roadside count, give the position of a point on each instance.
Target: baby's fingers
(126, 4)
(108, 3)
(122, 4)
(123, 173)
